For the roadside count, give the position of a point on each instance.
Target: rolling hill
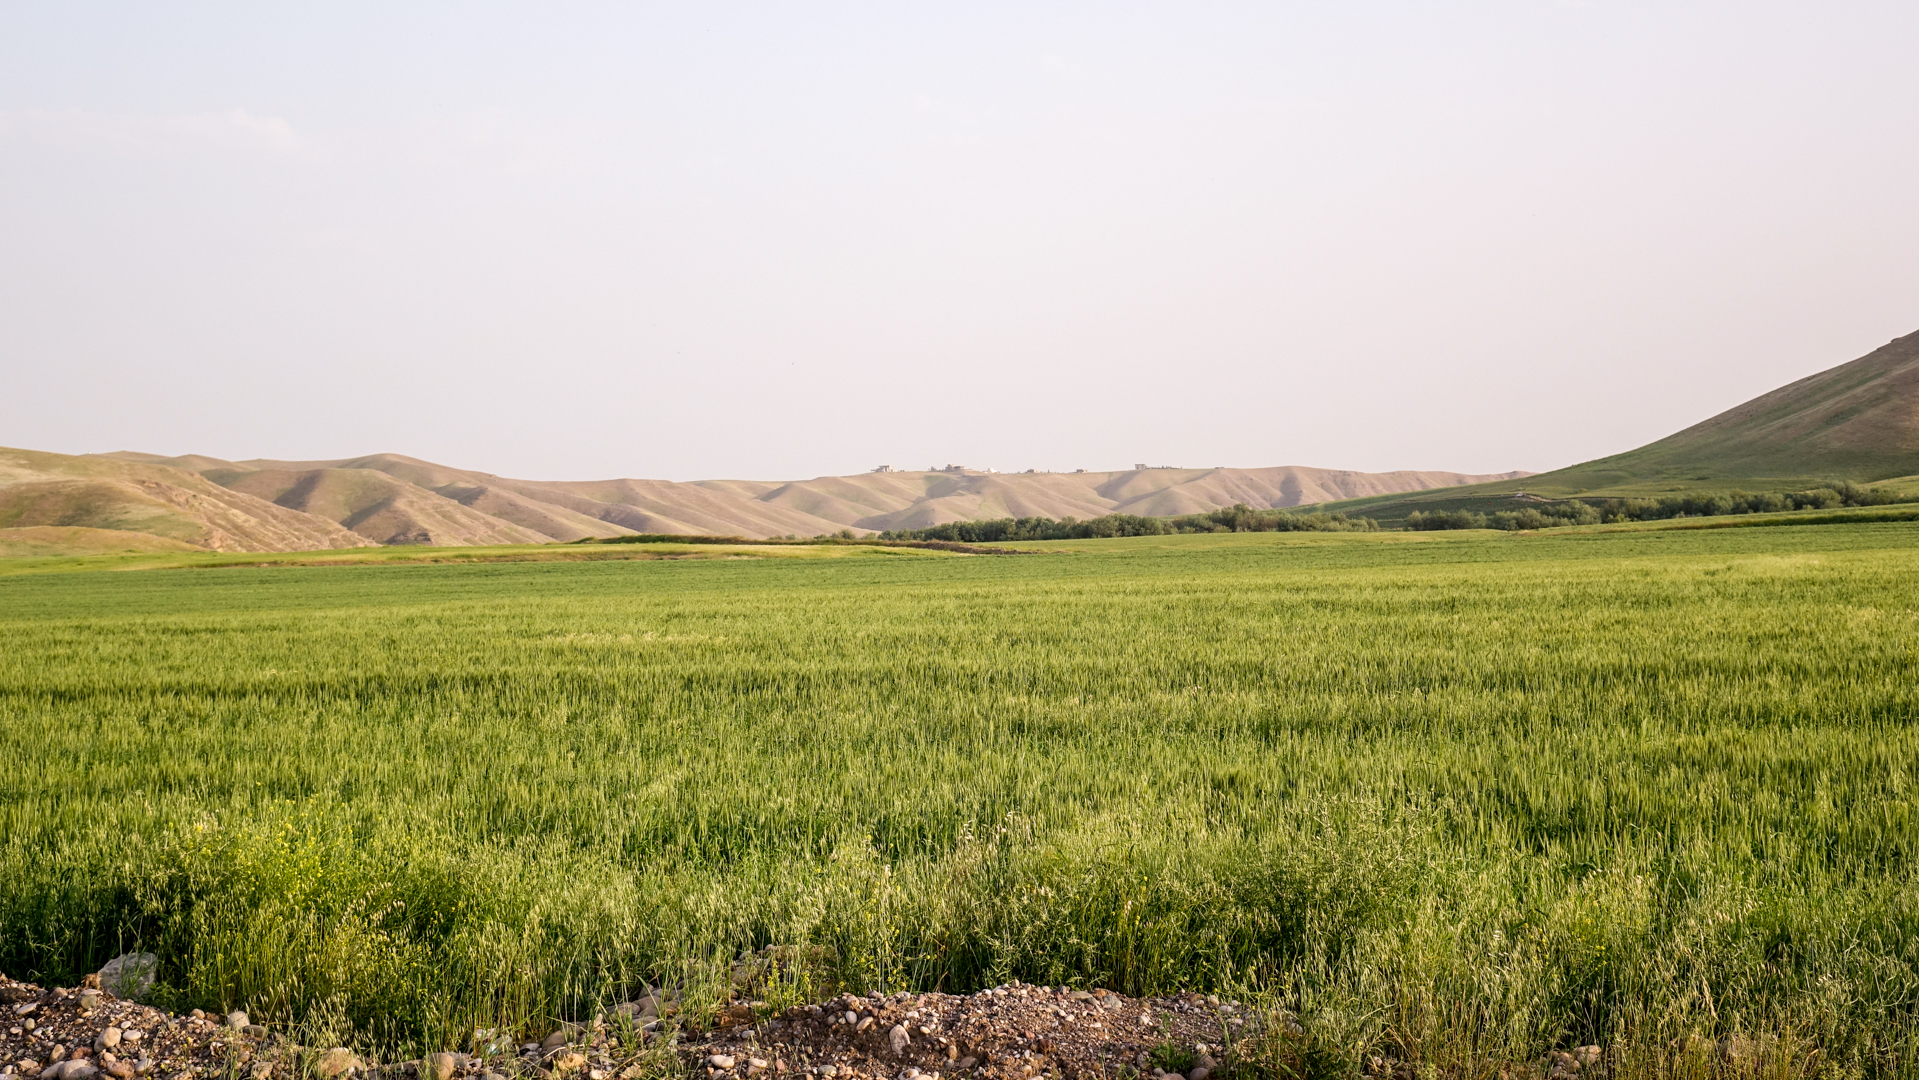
(59, 502)
(260, 505)
(1858, 422)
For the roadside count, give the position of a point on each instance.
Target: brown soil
(1008, 1033)
(1011, 1032)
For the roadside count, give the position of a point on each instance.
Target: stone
(1200, 1072)
(237, 1019)
(262, 1070)
(336, 1063)
(851, 1017)
(254, 1031)
(90, 1000)
(865, 1022)
(898, 1039)
(966, 1063)
(129, 975)
(76, 1069)
(1586, 1055)
(108, 1039)
(720, 1061)
(121, 1070)
(555, 1039)
(440, 1066)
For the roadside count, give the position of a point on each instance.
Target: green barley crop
(1461, 797)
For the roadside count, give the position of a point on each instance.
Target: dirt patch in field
(1009, 1033)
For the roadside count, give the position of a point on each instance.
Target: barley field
(1466, 796)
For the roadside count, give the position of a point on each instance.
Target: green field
(1459, 796)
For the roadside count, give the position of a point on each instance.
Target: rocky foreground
(1011, 1032)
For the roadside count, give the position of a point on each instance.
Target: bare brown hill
(132, 501)
(66, 501)
(398, 499)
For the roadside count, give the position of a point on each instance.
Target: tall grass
(1459, 798)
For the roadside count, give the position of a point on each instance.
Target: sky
(780, 240)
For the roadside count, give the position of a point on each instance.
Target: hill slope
(390, 498)
(396, 499)
(1858, 421)
(57, 500)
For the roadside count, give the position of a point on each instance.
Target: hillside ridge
(389, 499)
(1855, 422)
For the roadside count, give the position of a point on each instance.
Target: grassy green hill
(1857, 422)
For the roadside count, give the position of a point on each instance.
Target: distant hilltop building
(1143, 468)
(950, 468)
(882, 468)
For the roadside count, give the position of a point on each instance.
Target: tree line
(1236, 518)
(1609, 511)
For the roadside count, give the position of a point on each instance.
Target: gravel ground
(1008, 1033)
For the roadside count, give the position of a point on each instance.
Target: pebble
(335, 1063)
(898, 1039)
(237, 1019)
(129, 975)
(720, 1061)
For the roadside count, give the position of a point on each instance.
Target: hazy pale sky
(781, 240)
